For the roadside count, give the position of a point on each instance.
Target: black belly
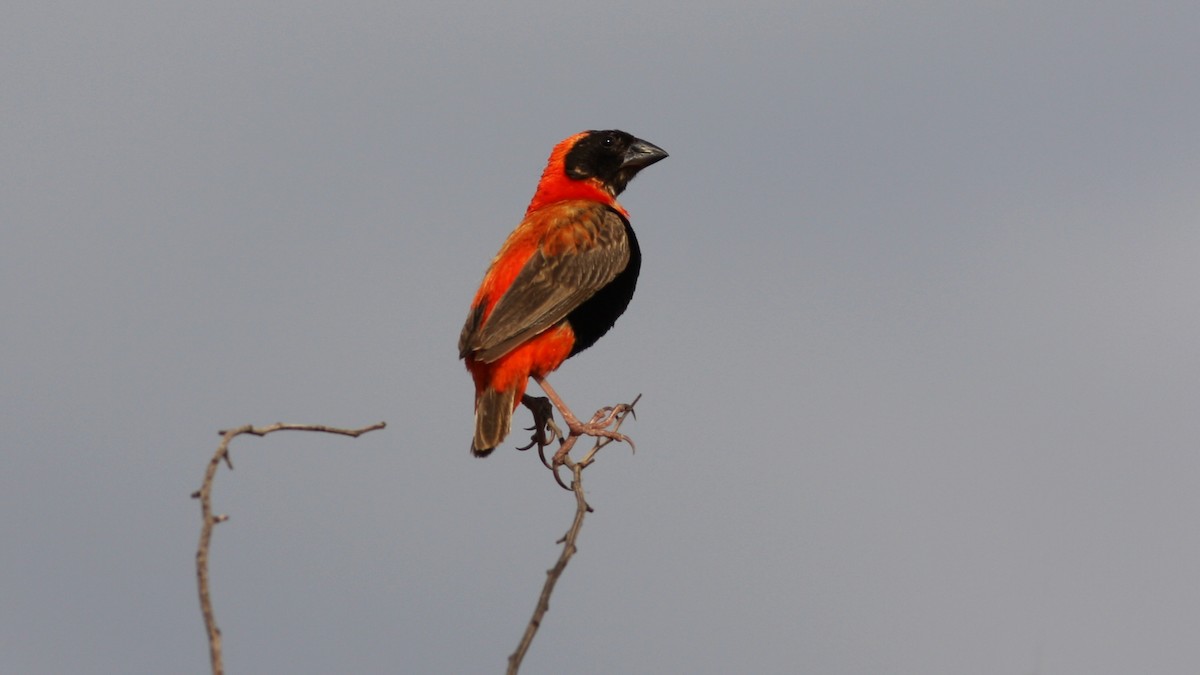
(597, 314)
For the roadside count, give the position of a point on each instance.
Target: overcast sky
(917, 336)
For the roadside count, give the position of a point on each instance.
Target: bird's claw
(558, 478)
(545, 431)
(599, 429)
(603, 427)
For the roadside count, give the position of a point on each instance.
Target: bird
(558, 283)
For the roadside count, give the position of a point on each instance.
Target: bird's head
(612, 157)
(594, 165)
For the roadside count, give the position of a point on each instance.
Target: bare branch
(204, 494)
(614, 415)
(554, 573)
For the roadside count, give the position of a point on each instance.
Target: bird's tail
(493, 419)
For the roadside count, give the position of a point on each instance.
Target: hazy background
(917, 333)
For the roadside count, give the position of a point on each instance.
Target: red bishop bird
(560, 280)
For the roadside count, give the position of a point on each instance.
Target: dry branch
(204, 494)
(617, 415)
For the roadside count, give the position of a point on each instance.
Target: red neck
(556, 186)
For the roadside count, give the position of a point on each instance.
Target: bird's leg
(597, 427)
(545, 431)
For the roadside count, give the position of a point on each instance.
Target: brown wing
(575, 259)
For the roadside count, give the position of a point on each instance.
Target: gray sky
(916, 334)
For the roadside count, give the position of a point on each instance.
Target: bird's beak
(642, 154)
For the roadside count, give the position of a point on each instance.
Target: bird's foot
(603, 427)
(545, 431)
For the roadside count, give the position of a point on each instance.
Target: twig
(568, 541)
(204, 494)
(554, 573)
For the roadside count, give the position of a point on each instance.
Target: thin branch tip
(209, 520)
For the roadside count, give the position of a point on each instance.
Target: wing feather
(575, 258)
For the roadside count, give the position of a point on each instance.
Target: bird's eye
(609, 140)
